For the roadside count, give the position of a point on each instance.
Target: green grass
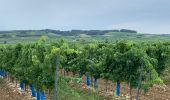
(66, 92)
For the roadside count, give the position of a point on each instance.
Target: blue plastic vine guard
(43, 96)
(95, 83)
(87, 80)
(22, 86)
(33, 90)
(38, 95)
(117, 88)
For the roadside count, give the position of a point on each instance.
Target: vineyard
(60, 70)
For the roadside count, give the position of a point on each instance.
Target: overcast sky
(148, 16)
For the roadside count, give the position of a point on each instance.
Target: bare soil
(9, 91)
(107, 89)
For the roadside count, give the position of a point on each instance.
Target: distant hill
(16, 36)
(23, 33)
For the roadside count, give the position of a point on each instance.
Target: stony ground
(157, 93)
(9, 91)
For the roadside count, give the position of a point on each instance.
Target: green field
(32, 36)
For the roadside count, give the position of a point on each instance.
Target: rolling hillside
(79, 35)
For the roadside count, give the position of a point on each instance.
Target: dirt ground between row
(8, 91)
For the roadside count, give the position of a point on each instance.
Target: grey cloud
(84, 14)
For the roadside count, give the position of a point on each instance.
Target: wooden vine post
(56, 78)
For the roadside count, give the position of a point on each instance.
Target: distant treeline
(23, 33)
